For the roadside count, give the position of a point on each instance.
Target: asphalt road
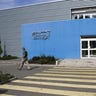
(13, 69)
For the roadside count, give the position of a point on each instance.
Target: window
(93, 16)
(83, 13)
(87, 16)
(76, 17)
(84, 44)
(92, 44)
(88, 47)
(80, 16)
(84, 53)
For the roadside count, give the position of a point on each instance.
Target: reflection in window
(92, 44)
(87, 16)
(93, 53)
(76, 17)
(84, 44)
(93, 16)
(84, 53)
(81, 17)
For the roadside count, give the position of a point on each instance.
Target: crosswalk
(56, 81)
(5, 95)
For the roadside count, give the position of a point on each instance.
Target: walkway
(55, 81)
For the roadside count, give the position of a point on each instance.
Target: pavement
(50, 80)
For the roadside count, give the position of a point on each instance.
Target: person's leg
(22, 64)
(28, 65)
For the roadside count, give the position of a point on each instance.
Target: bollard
(56, 62)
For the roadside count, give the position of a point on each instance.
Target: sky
(7, 4)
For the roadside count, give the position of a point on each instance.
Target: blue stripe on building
(62, 41)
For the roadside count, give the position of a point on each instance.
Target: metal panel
(12, 19)
(63, 41)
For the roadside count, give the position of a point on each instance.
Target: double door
(88, 47)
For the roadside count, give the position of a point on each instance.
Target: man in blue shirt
(24, 59)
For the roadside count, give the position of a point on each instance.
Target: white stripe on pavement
(47, 91)
(56, 84)
(75, 68)
(64, 72)
(65, 75)
(6, 95)
(60, 79)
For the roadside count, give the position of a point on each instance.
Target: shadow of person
(31, 68)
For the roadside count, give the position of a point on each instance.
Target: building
(67, 16)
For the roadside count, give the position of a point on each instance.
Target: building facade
(63, 39)
(12, 22)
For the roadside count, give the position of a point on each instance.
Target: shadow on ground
(2, 91)
(34, 67)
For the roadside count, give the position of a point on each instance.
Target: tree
(0, 49)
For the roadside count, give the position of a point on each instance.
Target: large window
(84, 16)
(83, 13)
(88, 47)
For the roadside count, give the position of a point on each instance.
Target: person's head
(23, 49)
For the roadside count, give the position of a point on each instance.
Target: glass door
(92, 48)
(88, 47)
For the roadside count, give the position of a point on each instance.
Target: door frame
(87, 39)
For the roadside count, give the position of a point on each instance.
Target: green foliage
(8, 57)
(4, 78)
(43, 60)
(0, 49)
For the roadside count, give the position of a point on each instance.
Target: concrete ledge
(78, 62)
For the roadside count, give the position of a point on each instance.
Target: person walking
(24, 59)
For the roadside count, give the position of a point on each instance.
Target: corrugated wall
(11, 19)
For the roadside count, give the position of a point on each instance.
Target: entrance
(88, 47)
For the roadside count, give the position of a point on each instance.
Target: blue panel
(64, 38)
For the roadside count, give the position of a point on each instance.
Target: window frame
(89, 49)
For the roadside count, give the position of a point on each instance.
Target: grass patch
(43, 60)
(4, 78)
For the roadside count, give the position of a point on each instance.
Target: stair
(77, 62)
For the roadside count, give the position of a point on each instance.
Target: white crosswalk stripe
(59, 81)
(64, 75)
(6, 95)
(55, 84)
(76, 73)
(74, 68)
(46, 90)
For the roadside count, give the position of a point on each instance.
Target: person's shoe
(28, 68)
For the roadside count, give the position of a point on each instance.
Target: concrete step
(77, 62)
